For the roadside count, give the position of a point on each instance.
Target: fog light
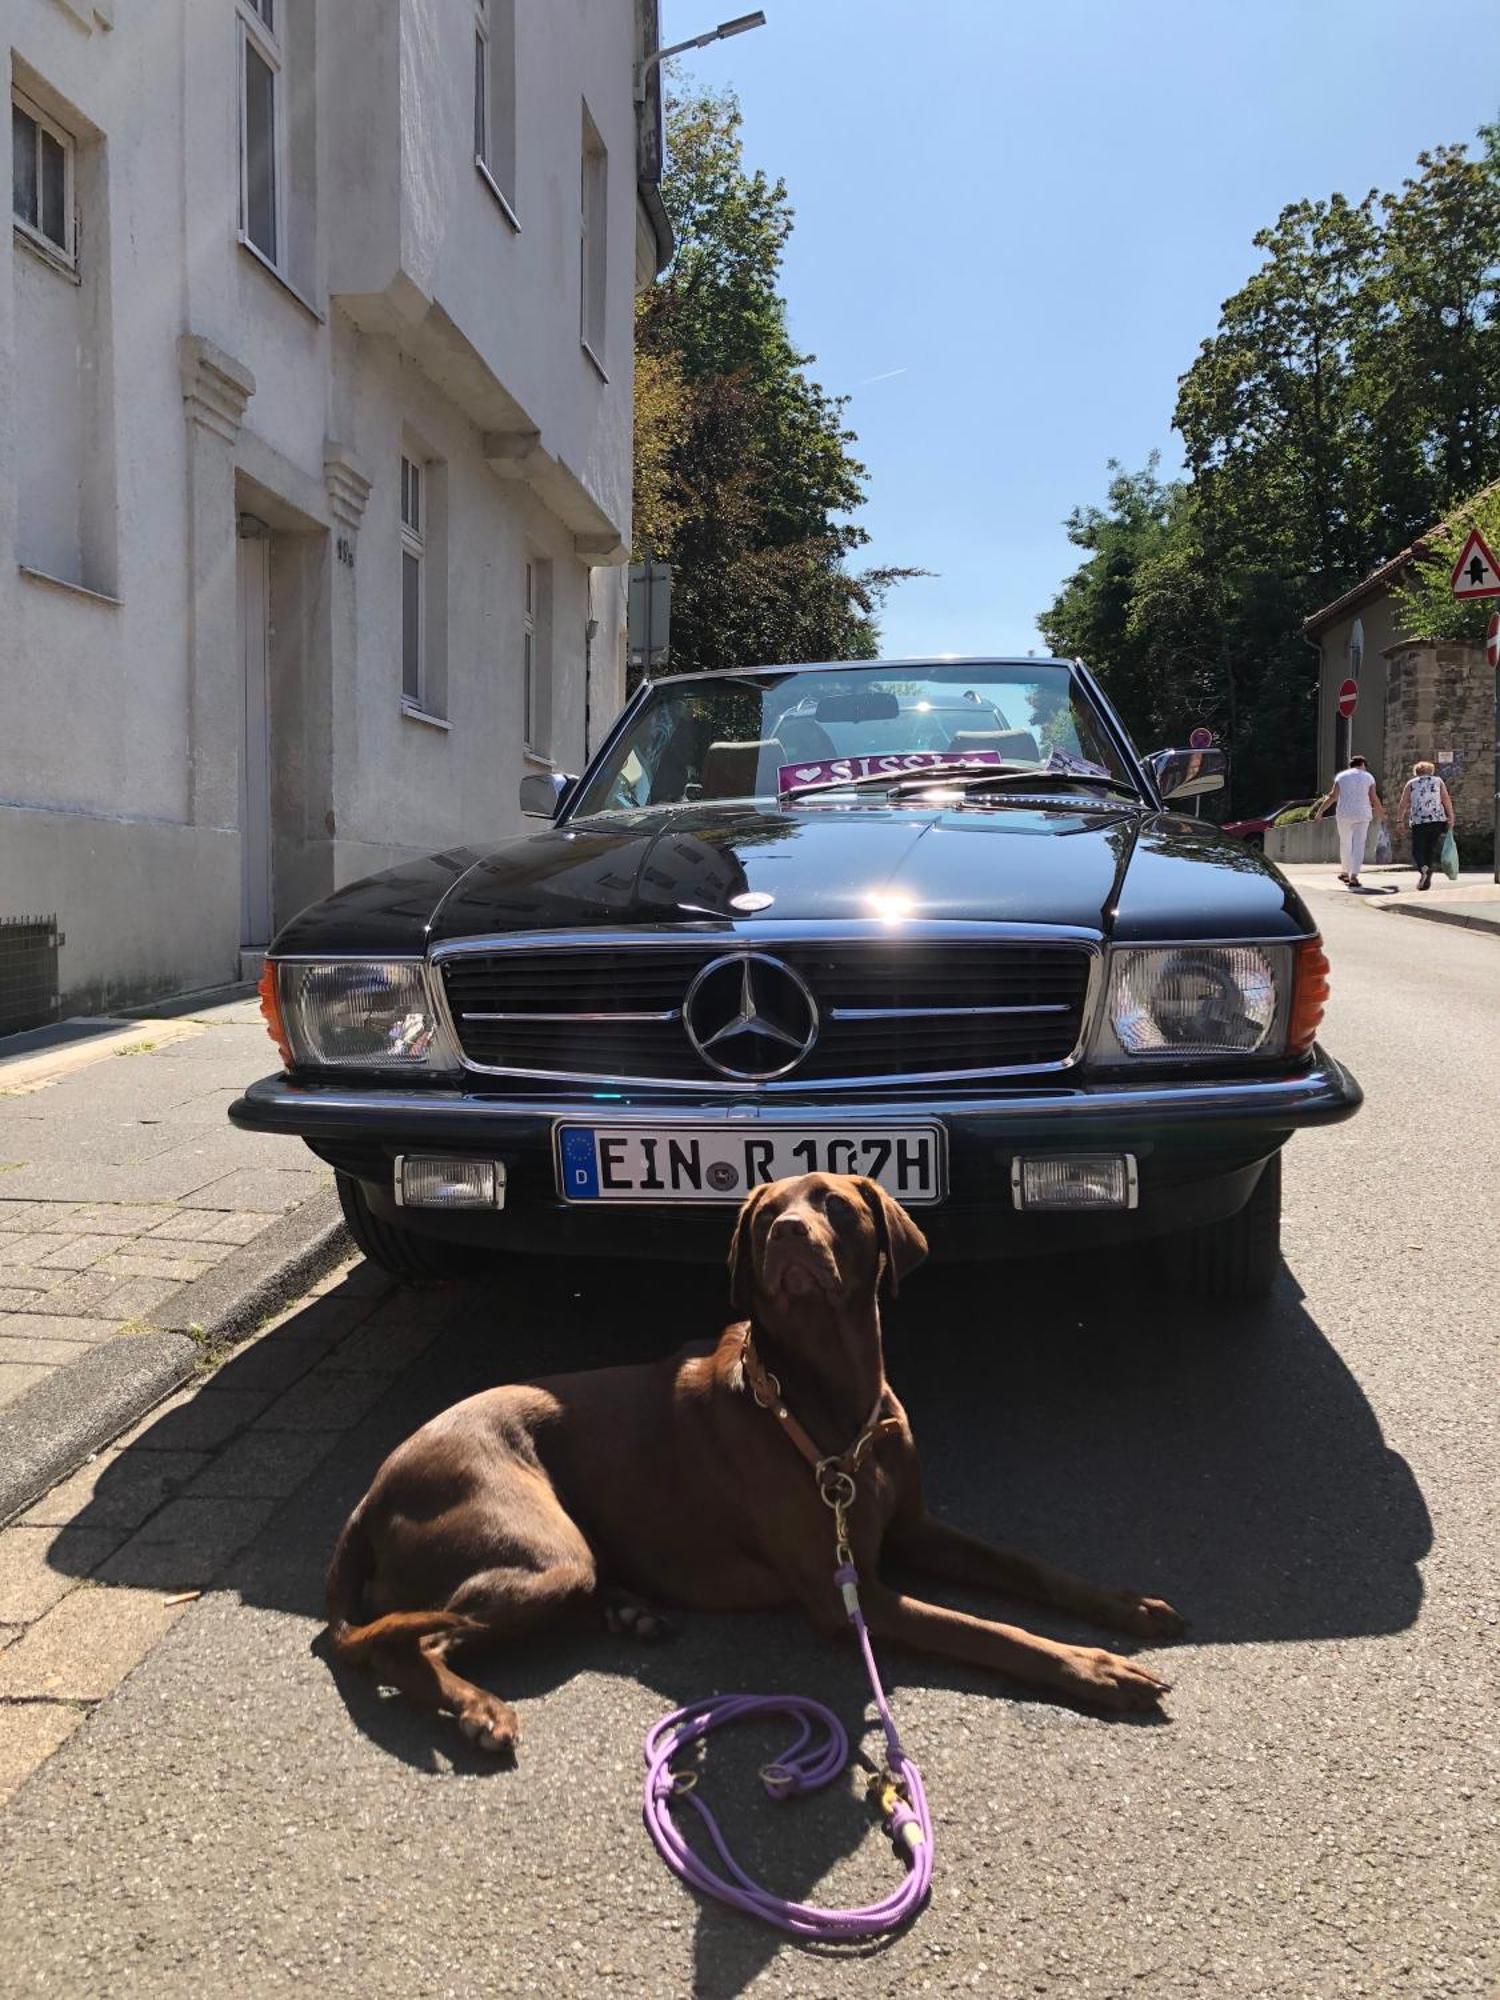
(1074, 1180)
(424, 1181)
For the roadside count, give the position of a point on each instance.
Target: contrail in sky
(889, 376)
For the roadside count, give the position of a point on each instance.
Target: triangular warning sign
(1476, 573)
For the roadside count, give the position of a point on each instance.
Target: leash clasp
(836, 1489)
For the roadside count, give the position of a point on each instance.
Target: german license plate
(722, 1163)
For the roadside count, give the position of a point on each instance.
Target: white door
(255, 745)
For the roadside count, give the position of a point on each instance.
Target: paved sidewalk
(100, 1568)
(122, 1181)
(1473, 901)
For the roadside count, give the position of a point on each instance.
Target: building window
(592, 241)
(495, 97)
(42, 180)
(413, 554)
(262, 126)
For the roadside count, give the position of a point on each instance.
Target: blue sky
(1016, 222)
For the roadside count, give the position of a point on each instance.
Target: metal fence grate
(28, 972)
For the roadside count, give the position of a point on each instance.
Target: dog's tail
(353, 1645)
(354, 1641)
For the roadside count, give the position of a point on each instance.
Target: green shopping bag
(1448, 859)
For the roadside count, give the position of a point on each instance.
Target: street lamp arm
(741, 24)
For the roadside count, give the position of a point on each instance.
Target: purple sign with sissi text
(894, 764)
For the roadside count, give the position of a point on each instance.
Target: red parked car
(1254, 830)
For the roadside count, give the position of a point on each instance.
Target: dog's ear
(742, 1255)
(902, 1244)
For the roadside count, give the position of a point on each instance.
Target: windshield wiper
(901, 780)
(1045, 780)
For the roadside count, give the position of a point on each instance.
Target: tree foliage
(745, 475)
(1345, 402)
(1429, 610)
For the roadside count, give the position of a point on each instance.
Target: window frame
(63, 255)
(593, 244)
(413, 543)
(483, 95)
(494, 148)
(258, 33)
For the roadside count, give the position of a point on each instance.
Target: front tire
(402, 1253)
(1237, 1258)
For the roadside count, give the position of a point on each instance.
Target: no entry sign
(1492, 640)
(1201, 739)
(1348, 697)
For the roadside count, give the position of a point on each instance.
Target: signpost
(1348, 698)
(1201, 739)
(1477, 574)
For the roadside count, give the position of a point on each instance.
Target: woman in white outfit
(1428, 810)
(1355, 802)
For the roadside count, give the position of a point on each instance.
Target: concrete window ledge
(499, 193)
(62, 583)
(260, 257)
(423, 716)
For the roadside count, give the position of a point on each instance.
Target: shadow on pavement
(1225, 1459)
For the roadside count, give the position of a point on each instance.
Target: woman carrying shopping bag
(1427, 809)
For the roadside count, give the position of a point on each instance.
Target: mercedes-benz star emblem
(750, 1017)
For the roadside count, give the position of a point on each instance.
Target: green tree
(1270, 414)
(745, 475)
(1345, 401)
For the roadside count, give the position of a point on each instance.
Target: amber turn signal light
(1309, 994)
(270, 1007)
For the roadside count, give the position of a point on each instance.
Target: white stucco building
(315, 447)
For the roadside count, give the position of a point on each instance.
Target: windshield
(752, 736)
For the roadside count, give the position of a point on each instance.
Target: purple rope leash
(806, 1765)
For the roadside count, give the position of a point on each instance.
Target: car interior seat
(742, 770)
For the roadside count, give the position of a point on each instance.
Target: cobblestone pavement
(123, 1180)
(98, 1570)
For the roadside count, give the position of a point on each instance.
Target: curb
(49, 1431)
(257, 1280)
(1436, 914)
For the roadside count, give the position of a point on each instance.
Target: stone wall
(1440, 704)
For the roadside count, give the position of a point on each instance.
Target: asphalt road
(1313, 1484)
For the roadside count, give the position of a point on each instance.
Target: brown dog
(675, 1483)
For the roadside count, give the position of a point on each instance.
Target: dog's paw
(491, 1723)
(1148, 1617)
(628, 1615)
(1109, 1681)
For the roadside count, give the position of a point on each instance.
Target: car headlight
(360, 1014)
(1175, 1001)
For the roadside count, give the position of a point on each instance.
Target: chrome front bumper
(1322, 1092)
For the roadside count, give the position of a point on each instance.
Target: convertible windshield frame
(582, 801)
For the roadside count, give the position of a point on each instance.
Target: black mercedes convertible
(934, 921)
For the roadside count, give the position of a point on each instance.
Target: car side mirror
(545, 793)
(1188, 774)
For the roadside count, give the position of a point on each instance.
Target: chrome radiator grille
(880, 1008)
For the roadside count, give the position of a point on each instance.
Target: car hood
(1095, 868)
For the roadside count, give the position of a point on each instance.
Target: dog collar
(766, 1390)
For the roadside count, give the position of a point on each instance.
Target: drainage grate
(28, 972)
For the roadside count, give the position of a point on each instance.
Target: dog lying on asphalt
(595, 1495)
